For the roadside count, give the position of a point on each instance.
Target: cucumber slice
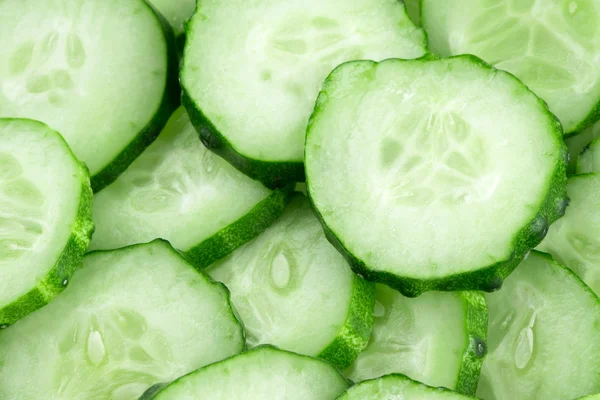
(412, 8)
(574, 240)
(543, 335)
(45, 216)
(179, 191)
(177, 12)
(433, 187)
(589, 157)
(578, 143)
(281, 285)
(250, 82)
(552, 46)
(437, 338)
(398, 387)
(128, 319)
(261, 373)
(103, 73)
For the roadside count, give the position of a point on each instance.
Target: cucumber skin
(241, 231)
(354, 336)
(488, 278)
(168, 104)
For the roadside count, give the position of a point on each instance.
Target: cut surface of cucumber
(129, 318)
(262, 373)
(281, 286)
(577, 143)
(179, 191)
(45, 216)
(437, 338)
(398, 387)
(250, 83)
(433, 187)
(552, 46)
(574, 240)
(589, 156)
(102, 73)
(176, 12)
(543, 335)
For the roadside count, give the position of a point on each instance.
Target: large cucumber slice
(176, 12)
(103, 73)
(250, 82)
(179, 191)
(574, 240)
(543, 335)
(45, 216)
(429, 186)
(437, 338)
(398, 387)
(578, 143)
(129, 318)
(261, 373)
(552, 46)
(281, 285)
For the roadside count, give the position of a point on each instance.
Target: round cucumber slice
(433, 187)
(179, 191)
(574, 240)
(577, 144)
(250, 83)
(177, 12)
(437, 338)
(552, 46)
(281, 286)
(543, 335)
(45, 216)
(129, 318)
(261, 373)
(103, 73)
(395, 387)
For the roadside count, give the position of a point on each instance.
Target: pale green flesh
(576, 144)
(543, 336)
(176, 190)
(574, 240)
(260, 92)
(176, 12)
(552, 46)
(281, 284)
(423, 338)
(128, 319)
(589, 160)
(40, 192)
(93, 70)
(414, 177)
(592, 397)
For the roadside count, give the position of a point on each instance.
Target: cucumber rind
(490, 277)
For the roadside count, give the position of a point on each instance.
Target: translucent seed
(524, 348)
(95, 348)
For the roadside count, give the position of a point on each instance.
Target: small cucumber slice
(45, 216)
(577, 144)
(433, 187)
(177, 12)
(574, 240)
(552, 46)
(281, 286)
(179, 191)
(398, 387)
(543, 335)
(262, 373)
(250, 82)
(437, 338)
(129, 318)
(102, 73)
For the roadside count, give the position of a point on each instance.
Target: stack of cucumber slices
(299, 200)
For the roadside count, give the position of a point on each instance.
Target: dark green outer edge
(488, 278)
(354, 335)
(168, 104)
(241, 231)
(476, 325)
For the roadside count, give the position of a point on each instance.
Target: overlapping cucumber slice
(577, 144)
(176, 12)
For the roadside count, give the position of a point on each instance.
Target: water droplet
(65, 282)
(524, 348)
(3, 326)
(480, 348)
(95, 348)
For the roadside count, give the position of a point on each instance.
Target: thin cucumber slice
(129, 318)
(577, 144)
(433, 187)
(398, 387)
(261, 373)
(103, 73)
(45, 216)
(250, 82)
(543, 335)
(437, 338)
(179, 191)
(552, 46)
(574, 240)
(281, 286)
(177, 12)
